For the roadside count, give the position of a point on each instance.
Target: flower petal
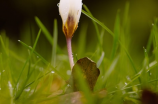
(70, 11)
(64, 7)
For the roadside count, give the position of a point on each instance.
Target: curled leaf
(89, 72)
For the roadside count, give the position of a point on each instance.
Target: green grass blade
(97, 21)
(126, 16)
(129, 57)
(149, 44)
(33, 67)
(96, 27)
(100, 60)
(55, 43)
(155, 33)
(110, 69)
(46, 32)
(131, 87)
(136, 76)
(45, 61)
(82, 40)
(144, 76)
(109, 31)
(135, 69)
(38, 78)
(116, 37)
(3, 45)
(30, 48)
(18, 93)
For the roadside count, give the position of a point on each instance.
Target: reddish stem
(69, 49)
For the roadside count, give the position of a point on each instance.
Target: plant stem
(69, 49)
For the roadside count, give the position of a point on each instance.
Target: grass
(26, 77)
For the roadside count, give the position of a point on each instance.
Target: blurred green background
(17, 19)
(125, 63)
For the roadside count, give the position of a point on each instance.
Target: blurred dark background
(17, 15)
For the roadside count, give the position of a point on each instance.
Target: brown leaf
(149, 97)
(89, 71)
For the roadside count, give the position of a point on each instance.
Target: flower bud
(70, 12)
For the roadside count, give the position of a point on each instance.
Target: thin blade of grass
(96, 27)
(97, 21)
(3, 45)
(45, 61)
(136, 76)
(82, 40)
(55, 42)
(100, 60)
(126, 16)
(110, 70)
(144, 76)
(116, 37)
(110, 32)
(44, 30)
(1, 67)
(131, 86)
(149, 44)
(131, 60)
(124, 40)
(19, 92)
(46, 33)
(155, 33)
(40, 77)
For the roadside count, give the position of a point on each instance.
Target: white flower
(70, 11)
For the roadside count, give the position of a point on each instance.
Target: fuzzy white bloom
(70, 12)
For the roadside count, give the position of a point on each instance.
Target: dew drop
(150, 74)
(68, 85)
(152, 24)
(19, 40)
(9, 84)
(68, 72)
(3, 70)
(58, 4)
(125, 83)
(128, 78)
(52, 72)
(145, 50)
(27, 90)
